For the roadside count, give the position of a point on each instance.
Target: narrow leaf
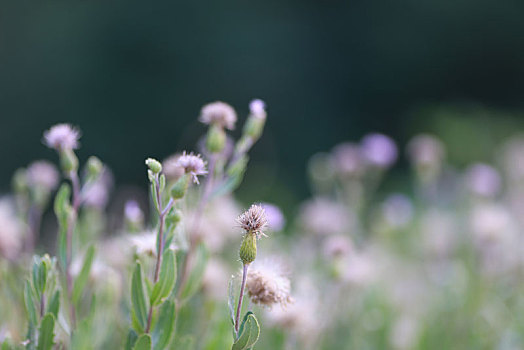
(46, 333)
(167, 278)
(143, 343)
(54, 304)
(131, 340)
(138, 298)
(82, 278)
(30, 303)
(165, 326)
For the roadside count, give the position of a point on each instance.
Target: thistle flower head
(61, 137)
(379, 150)
(257, 108)
(192, 164)
(218, 113)
(268, 284)
(253, 220)
(43, 174)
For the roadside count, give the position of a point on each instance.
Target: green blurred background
(134, 74)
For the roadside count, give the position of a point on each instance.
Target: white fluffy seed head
(268, 283)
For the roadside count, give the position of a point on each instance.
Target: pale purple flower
(324, 216)
(483, 180)
(171, 168)
(192, 164)
(347, 159)
(96, 193)
(337, 246)
(397, 210)
(274, 216)
(42, 174)
(132, 212)
(219, 113)
(62, 136)
(426, 150)
(379, 150)
(257, 108)
(253, 220)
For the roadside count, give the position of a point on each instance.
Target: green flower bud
(216, 139)
(254, 127)
(68, 161)
(154, 165)
(248, 248)
(94, 167)
(173, 217)
(180, 187)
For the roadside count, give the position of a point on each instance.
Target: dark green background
(134, 74)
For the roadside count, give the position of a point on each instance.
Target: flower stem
(69, 237)
(241, 296)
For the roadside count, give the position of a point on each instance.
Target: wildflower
(337, 246)
(348, 160)
(62, 137)
(218, 113)
(193, 165)
(397, 210)
(171, 168)
(268, 284)
(275, 218)
(42, 174)
(324, 216)
(96, 194)
(379, 150)
(133, 213)
(257, 108)
(483, 180)
(254, 220)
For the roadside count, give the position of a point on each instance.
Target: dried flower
(379, 150)
(62, 137)
(192, 164)
(42, 174)
(253, 220)
(219, 113)
(268, 283)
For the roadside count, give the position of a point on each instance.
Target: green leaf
(46, 333)
(29, 302)
(164, 326)
(197, 272)
(81, 280)
(54, 304)
(167, 278)
(39, 275)
(138, 297)
(248, 333)
(143, 343)
(131, 340)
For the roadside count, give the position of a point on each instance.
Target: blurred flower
(253, 220)
(439, 232)
(337, 246)
(11, 230)
(171, 168)
(348, 160)
(192, 164)
(219, 113)
(43, 174)
(275, 218)
(360, 269)
(397, 210)
(145, 243)
(257, 108)
(323, 216)
(513, 158)
(379, 150)
(426, 153)
(96, 193)
(483, 180)
(62, 136)
(268, 283)
(490, 222)
(133, 214)
(215, 279)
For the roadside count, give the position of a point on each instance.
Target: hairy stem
(240, 297)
